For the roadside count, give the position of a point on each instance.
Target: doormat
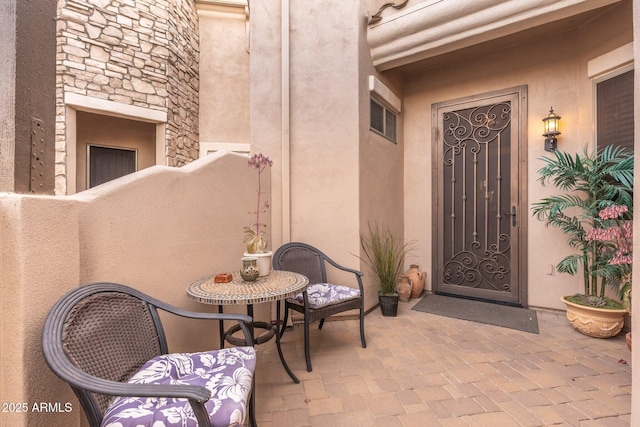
(522, 319)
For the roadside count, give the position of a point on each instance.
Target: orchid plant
(256, 234)
(615, 232)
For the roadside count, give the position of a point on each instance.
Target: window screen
(377, 116)
(615, 111)
(107, 163)
(390, 125)
(383, 121)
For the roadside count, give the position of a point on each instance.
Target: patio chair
(321, 299)
(107, 341)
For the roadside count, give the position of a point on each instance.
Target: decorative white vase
(263, 263)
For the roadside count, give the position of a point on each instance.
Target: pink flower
(613, 211)
(616, 231)
(259, 161)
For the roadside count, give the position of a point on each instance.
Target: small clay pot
(628, 337)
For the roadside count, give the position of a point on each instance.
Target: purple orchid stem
(258, 205)
(260, 162)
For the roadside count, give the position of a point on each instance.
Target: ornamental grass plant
(385, 254)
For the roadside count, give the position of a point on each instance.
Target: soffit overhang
(436, 27)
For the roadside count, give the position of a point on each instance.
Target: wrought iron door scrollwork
(477, 242)
(482, 126)
(472, 270)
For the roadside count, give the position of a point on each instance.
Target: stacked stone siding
(135, 52)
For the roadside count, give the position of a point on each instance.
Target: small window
(383, 121)
(107, 163)
(615, 111)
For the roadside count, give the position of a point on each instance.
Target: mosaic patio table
(276, 286)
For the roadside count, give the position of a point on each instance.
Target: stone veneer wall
(136, 52)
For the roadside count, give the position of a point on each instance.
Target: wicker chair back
(98, 336)
(110, 335)
(303, 260)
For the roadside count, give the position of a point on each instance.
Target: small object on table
(223, 278)
(249, 271)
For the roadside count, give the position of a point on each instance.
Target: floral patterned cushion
(324, 294)
(227, 373)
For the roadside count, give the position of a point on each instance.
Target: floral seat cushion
(324, 294)
(228, 373)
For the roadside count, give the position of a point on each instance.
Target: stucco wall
(381, 161)
(265, 109)
(157, 230)
(555, 70)
(224, 75)
(325, 142)
(321, 129)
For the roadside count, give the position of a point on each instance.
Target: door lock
(512, 214)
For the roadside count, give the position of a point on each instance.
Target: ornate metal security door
(480, 183)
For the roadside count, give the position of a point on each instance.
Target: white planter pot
(263, 263)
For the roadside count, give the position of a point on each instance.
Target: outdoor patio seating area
(425, 370)
(185, 148)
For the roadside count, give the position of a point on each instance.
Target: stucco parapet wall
(436, 27)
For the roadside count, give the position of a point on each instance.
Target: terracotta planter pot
(404, 289)
(595, 322)
(417, 278)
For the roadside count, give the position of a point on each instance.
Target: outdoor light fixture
(551, 126)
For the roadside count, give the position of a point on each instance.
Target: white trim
(285, 121)
(610, 61)
(220, 10)
(115, 109)
(434, 27)
(207, 148)
(384, 94)
(232, 3)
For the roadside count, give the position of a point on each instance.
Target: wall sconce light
(551, 126)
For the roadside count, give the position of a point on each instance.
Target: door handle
(512, 214)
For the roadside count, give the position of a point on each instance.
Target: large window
(614, 115)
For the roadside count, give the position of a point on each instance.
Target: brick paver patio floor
(421, 369)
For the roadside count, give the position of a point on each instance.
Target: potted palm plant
(385, 254)
(590, 182)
